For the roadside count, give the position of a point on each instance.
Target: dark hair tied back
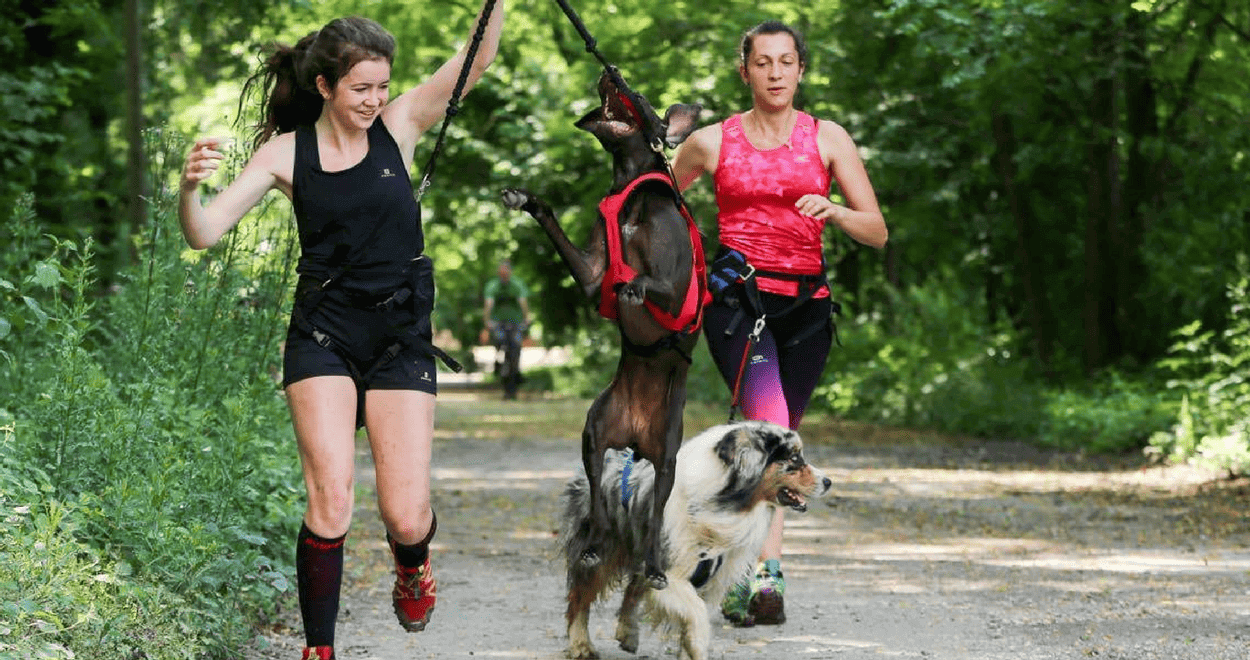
(287, 78)
(773, 27)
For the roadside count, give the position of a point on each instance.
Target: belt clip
(759, 327)
(749, 274)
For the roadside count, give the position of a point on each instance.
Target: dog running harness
(619, 273)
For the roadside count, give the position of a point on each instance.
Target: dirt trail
(928, 549)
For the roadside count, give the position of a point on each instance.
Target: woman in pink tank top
(772, 167)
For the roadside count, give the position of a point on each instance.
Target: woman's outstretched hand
(204, 159)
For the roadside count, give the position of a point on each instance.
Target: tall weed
(1211, 379)
(154, 412)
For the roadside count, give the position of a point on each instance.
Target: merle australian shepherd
(728, 480)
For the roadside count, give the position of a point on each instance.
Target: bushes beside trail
(148, 475)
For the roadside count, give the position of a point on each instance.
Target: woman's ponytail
(287, 99)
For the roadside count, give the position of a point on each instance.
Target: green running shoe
(767, 603)
(734, 605)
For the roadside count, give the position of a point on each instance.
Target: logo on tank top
(387, 173)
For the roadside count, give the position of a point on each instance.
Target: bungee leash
(453, 105)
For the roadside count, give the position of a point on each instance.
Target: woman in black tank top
(358, 350)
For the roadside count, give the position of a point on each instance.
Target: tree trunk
(1102, 343)
(1140, 183)
(136, 185)
(1037, 308)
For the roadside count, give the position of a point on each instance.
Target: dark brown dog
(642, 407)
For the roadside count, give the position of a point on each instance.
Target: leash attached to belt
(750, 287)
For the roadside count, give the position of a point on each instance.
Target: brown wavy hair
(287, 78)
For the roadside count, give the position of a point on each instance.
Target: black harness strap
(669, 341)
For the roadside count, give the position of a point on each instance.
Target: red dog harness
(619, 272)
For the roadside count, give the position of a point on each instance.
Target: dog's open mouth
(618, 109)
(792, 498)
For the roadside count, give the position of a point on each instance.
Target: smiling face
(358, 97)
(773, 69)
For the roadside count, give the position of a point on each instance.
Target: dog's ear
(739, 446)
(744, 458)
(681, 120)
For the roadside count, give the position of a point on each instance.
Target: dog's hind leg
(580, 646)
(655, 560)
(592, 462)
(627, 616)
(665, 474)
(584, 587)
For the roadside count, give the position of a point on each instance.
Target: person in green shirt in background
(506, 315)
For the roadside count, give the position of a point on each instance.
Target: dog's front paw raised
(515, 198)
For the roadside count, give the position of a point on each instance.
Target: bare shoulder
(707, 138)
(836, 144)
(277, 158)
(697, 155)
(833, 134)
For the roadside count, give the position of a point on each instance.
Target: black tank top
(363, 221)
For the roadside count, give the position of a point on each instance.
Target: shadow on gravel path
(929, 548)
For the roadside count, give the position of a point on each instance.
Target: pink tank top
(755, 195)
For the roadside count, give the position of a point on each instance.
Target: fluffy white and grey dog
(728, 480)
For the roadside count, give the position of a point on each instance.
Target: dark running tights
(778, 380)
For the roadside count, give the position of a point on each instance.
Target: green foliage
(1113, 415)
(61, 598)
(155, 405)
(28, 100)
(930, 361)
(1209, 373)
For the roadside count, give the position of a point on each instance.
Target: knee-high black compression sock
(319, 573)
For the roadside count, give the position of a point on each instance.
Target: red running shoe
(414, 595)
(318, 653)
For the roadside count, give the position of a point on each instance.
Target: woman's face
(773, 70)
(359, 96)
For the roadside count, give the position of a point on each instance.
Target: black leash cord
(453, 105)
(591, 47)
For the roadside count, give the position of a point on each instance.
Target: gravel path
(928, 548)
